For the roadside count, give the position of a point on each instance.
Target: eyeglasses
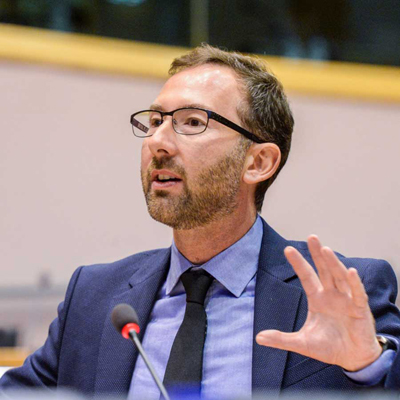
(185, 121)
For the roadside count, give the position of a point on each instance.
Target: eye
(190, 121)
(194, 122)
(155, 121)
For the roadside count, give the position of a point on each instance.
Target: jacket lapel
(276, 304)
(117, 356)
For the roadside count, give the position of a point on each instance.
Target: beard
(209, 197)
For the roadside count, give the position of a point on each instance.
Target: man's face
(206, 169)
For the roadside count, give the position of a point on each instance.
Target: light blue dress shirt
(375, 372)
(229, 306)
(227, 362)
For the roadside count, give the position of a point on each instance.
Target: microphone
(126, 322)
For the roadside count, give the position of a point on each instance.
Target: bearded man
(272, 314)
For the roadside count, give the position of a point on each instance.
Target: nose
(164, 140)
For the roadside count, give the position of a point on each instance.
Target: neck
(201, 244)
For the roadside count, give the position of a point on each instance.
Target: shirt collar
(233, 268)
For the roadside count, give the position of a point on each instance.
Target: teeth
(165, 177)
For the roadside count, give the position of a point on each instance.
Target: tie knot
(196, 284)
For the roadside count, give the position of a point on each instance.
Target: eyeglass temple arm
(232, 125)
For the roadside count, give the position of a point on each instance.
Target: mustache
(166, 163)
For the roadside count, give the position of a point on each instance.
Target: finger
(282, 340)
(304, 271)
(325, 275)
(338, 270)
(360, 297)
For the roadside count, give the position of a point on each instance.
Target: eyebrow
(158, 107)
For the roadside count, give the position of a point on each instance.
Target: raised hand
(339, 328)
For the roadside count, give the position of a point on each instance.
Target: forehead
(213, 86)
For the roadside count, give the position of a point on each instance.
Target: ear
(262, 161)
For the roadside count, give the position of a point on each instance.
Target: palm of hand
(339, 328)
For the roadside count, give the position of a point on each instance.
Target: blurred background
(364, 31)
(73, 71)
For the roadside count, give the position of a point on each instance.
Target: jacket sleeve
(392, 380)
(40, 369)
(380, 283)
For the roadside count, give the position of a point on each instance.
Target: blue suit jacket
(83, 350)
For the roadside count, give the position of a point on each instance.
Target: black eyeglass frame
(211, 115)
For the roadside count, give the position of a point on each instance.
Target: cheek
(145, 157)
(213, 151)
(201, 162)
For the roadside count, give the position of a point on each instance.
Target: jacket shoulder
(364, 265)
(123, 267)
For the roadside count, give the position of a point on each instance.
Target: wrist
(375, 372)
(382, 343)
(375, 352)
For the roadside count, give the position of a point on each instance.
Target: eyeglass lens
(187, 121)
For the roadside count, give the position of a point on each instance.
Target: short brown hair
(267, 113)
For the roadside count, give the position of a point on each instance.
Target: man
(213, 142)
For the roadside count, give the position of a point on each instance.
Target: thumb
(280, 340)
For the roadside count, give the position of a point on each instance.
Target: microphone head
(124, 319)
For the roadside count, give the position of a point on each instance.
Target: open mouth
(166, 178)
